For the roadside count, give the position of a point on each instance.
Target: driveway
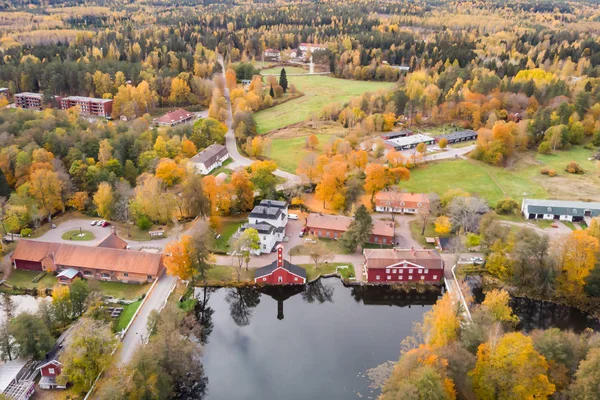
(449, 153)
(137, 333)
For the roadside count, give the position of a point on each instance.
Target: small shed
(67, 276)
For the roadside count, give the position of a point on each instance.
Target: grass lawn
(569, 225)
(288, 153)
(228, 227)
(219, 274)
(126, 315)
(319, 90)
(137, 234)
(415, 230)
(288, 70)
(328, 268)
(118, 290)
(76, 236)
(335, 246)
(495, 183)
(23, 279)
(223, 168)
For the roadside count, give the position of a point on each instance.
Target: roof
(383, 258)
(89, 99)
(383, 228)
(562, 207)
(112, 241)
(389, 198)
(395, 134)
(409, 140)
(459, 134)
(326, 221)
(209, 155)
(265, 228)
(99, 258)
(68, 273)
(30, 94)
(292, 268)
(34, 251)
(266, 212)
(9, 371)
(174, 117)
(51, 362)
(274, 203)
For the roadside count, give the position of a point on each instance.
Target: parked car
(309, 240)
(293, 216)
(105, 224)
(100, 222)
(477, 260)
(94, 222)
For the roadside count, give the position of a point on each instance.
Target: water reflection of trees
(242, 302)
(318, 291)
(204, 313)
(393, 295)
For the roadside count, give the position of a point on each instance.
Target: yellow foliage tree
(45, 187)
(169, 171)
(104, 200)
(577, 260)
(441, 323)
(443, 226)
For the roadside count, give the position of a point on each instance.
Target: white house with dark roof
(210, 158)
(269, 218)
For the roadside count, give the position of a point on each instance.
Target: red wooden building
(332, 227)
(403, 265)
(280, 272)
(50, 371)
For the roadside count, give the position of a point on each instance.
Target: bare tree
(318, 252)
(424, 214)
(466, 212)
(6, 342)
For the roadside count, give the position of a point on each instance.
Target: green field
(228, 227)
(126, 315)
(288, 153)
(23, 279)
(495, 183)
(329, 268)
(223, 274)
(319, 90)
(76, 236)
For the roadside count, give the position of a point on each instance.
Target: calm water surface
(312, 344)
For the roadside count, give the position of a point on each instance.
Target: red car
(105, 224)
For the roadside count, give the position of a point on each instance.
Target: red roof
(401, 199)
(174, 117)
(384, 258)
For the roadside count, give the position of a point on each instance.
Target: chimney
(280, 255)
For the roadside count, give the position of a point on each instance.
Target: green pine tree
(271, 92)
(359, 231)
(283, 80)
(4, 186)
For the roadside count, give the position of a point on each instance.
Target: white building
(409, 142)
(210, 158)
(269, 218)
(560, 210)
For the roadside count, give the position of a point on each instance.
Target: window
(335, 235)
(426, 270)
(574, 211)
(549, 209)
(410, 270)
(327, 233)
(400, 277)
(435, 277)
(88, 273)
(419, 204)
(279, 279)
(264, 279)
(387, 270)
(105, 275)
(422, 277)
(394, 271)
(51, 371)
(149, 276)
(384, 240)
(264, 246)
(125, 274)
(376, 239)
(377, 277)
(410, 277)
(389, 278)
(401, 271)
(296, 279)
(402, 203)
(420, 271)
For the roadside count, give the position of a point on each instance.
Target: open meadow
(288, 153)
(495, 183)
(319, 90)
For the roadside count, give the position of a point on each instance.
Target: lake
(291, 343)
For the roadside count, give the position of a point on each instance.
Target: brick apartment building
(29, 101)
(87, 105)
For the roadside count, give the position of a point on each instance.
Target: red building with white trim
(403, 266)
(280, 272)
(333, 226)
(50, 371)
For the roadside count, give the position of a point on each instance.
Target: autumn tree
(312, 142)
(104, 200)
(244, 190)
(376, 179)
(189, 258)
(441, 324)
(577, 258)
(587, 377)
(180, 91)
(317, 251)
(45, 187)
(511, 369)
(169, 171)
(89, 353)
(443, 143)
(496, 303)
(262, 177)
(247, 243)
(442, 225)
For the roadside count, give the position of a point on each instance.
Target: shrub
(443, 143)
(596, 138)
(574, 168)
(506, 206)
(545, 148)
(25, 232)
(143, 222)
(588, 146)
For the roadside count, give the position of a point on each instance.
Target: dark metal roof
(459, 134)
(273, 203)
(266, 212)
(209, 155)
(268, 269)
(263, 228)
(562, 207)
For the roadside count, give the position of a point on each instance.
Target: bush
(588, 146)
(25, 232)
(506, 206)
(143, 222)
(545, 148)
(596, 138)
(38, 277)
(574, 168)
(548, 171)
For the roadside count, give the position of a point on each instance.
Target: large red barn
(403, 265)
(280, 272)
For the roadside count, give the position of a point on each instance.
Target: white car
(293, 216)
(94, 222)
(477, 260)
(100, 223)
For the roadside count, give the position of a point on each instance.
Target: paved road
(137, 332)
(241, 161)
